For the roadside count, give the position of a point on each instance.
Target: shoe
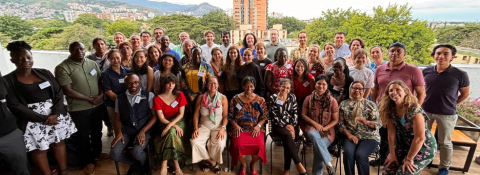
(443, 171)
(305, 173)
(104, 156)
(242, 172)
(254, 172)
(89, 169)
(331, 170)
(375, 162)
(133, 168)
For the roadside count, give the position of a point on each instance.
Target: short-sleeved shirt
(279, 73)
(409, 74)
(442, 89)
(247, 115)
(207, 52)
(298, 53)
(169, 110)
(302, 89)
(333, 109)
(84, 78)
(283, 113)
(111, 80)
(271, 49)
(131, 99)
(179, 50)
(342, 51)
(364, 75)
(225, 51)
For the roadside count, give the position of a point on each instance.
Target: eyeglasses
(212, 84)
(358, 89)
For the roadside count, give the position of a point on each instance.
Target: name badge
(44, 85)
(93, 72)
(313, 72)
(336, 88)
(262, 64)
(288, 66)
(3, 100)
(121, 80)
(280, 102)
(306, 84)
(220, 73)
(200, 74)
(239, 107)
(137, 99)
(175, 103)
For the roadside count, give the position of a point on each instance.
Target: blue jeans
(320, 151)
(138, 154)
(357, 154)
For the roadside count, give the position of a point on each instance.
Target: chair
(148, 148)
(278, 141)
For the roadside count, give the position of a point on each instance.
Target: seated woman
(171, 144)
(283, 112)
(247, 114)
(359, 122)
(36, 99)
(320, 113)
(340, 79)
(412, 145)
(167, 64)
(213, 108)
(141, 68)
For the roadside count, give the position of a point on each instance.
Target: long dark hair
(305, 72)
(238, 61)
(244, 43)
(168, 79)
(135, 69)
(176, 68)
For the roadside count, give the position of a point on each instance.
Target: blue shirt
(170, 51)
(374, 66)
(343, 51)
(113, 81)
(254, 53)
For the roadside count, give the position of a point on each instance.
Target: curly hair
(168, 79)
(16, 46)
(387, 105)
(360, 40)
(238, 60)
(176, 68)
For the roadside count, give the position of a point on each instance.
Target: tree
(76, 32)
(291, 24)
(466, 36)
(4, 40)
(91, 20)
(125, 26)
(45, 23)
(217, 21)
(14, 26)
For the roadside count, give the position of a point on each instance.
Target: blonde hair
(387, 105)
(318, 57)
(208, 32)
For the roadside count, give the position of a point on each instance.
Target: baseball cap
(397, 44)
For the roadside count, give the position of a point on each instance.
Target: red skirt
(245, 144)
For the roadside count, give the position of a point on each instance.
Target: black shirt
(262, 64)
(251, 69)
(340, 93)
(7, 120)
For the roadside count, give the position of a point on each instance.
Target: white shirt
(225, 51)
(207, 52)
(171, 45)
(365, 76)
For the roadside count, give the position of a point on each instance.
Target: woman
(340, 79)
(359, 122)
(360, 73)
(329, 50)
(118, 37)
(253, 70)
(412, 145)
(168, 64)
(233, 63)
(154, 53)
(283, 113)
(304, 83)
(36, 98)
(377, 55)
(280, 69)
(113, 81)
(247, 114)
(186, 48)
(355, 44)
(171, 144)
(126, 53)
(320, 113)
(213, 108)
(141, 68)
(135, 41)
(194, 77)
(217, 67)
(315, 64)
(261, 59)
(249, 41)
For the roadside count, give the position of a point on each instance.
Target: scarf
(323, 117)
(211, 104)
(357, 105)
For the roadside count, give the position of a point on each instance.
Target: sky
(430, 10)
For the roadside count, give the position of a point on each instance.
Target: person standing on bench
(132, 123)
(442, 99)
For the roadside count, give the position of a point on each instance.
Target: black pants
(106, 118)
(89, 134)
(231, 94)
(384, 149)
(289, 148)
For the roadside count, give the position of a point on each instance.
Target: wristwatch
(224, 127)
(260, 126)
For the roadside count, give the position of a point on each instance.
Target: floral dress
(403, 140)
(278, 74)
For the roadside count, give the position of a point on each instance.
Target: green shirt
(271, 49)
(178, 49)
(83, 78)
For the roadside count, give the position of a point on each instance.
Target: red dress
(167, 109)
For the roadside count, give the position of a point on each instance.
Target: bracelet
(260, 126)
(224, 127)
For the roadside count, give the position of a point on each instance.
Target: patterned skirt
(173, 147)
(40, 136)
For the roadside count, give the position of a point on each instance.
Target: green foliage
(45, 23)
(91, 20)
(291, 24)
(76, 32)
(386, 26)
(4, 39)
(125, 26)
(14, 26)
(466, 36)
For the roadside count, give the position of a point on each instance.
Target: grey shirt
(272, 48)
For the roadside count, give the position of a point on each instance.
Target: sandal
(207, 166)
(216, 168)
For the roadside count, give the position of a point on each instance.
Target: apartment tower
(250, 12)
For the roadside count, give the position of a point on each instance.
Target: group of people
(188, 100)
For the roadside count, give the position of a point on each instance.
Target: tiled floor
(107, 167)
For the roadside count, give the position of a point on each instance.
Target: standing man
(79, 78)
(273, 45)
(157, 33)
(207, 48)
(164, 43)
(182, 37)
(396, 69)
(226, 44)
(146, 38)
(301, 50)
(443, 82)
(100, 56)
(341, 48)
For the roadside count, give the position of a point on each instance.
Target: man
(182, 37)
(207, 48)
(79, 78)
(226, 44)
(341, 48)
(396, 69)
(136, 42)
(301, 50)
(133, 120)
(100, 56)
(443, 82)
(12, 146)
(146, 38)
(164, 43)
(157, 33)
(273, 45)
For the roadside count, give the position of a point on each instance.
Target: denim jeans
(138, 154)
(357, 154)
(320, 151)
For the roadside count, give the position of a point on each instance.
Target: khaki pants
(215, 147)
(445, 126)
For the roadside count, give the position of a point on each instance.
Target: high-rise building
(250, 12)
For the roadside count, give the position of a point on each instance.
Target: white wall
(42, 59)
